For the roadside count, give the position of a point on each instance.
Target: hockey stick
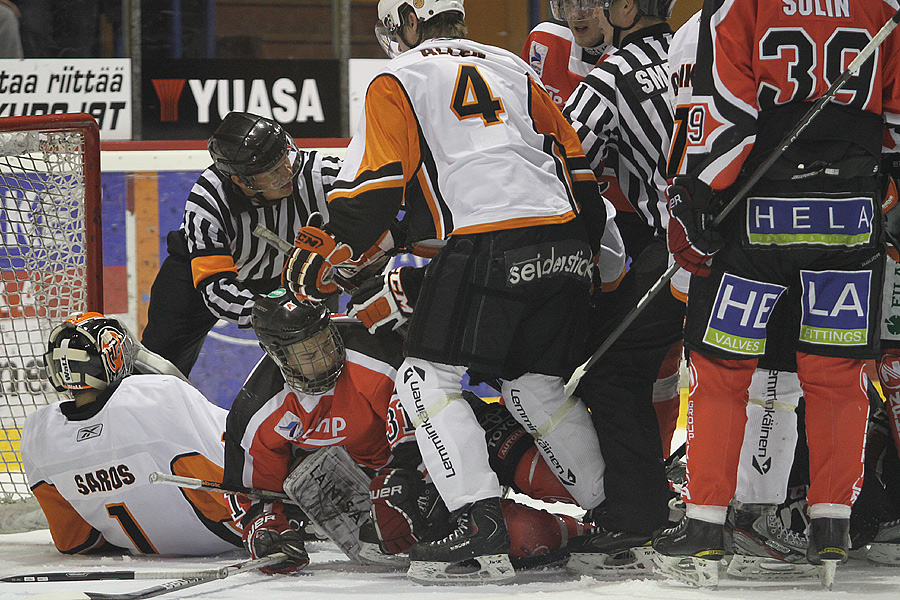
(214, 486)
(789, 139)
(271, 238)
(221, 573)
(170, 586)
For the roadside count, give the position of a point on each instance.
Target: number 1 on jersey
(120, 513)
(472, 97)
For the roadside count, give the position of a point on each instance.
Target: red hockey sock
(537, 480)
(533, 532)
(717, 414)
(837, 410)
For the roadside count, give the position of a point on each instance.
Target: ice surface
(331, 576)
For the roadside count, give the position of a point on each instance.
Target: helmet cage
(88, 351)
(314, 364)
(301, 339)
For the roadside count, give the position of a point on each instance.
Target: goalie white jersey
(89, 468)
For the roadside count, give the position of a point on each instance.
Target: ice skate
(691, 552)
(885, 548)
(829, 540)
(610, 554)
(764, 548)
(475, 552)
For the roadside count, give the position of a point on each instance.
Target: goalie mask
(87, 351)
(301, 339)
(389, 19)
(257, 151)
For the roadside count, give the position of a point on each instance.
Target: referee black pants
(177, 318)
(618, 390)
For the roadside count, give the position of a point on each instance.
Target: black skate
(764, 548)
(604, 553)
(691, 551)
(885, 548)
(829, 541)
(475, 552)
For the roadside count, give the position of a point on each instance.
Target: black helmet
(245, 145)
(301, 339)
(88, 350)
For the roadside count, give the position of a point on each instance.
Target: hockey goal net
(50, 261)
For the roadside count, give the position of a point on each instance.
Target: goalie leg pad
(563, 432)
(334, 493)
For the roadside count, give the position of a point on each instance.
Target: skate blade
(491, 568)
(760, 567)
(371, 554)
(826, 572)
(884, 554)
(630, 563)
(699, 572)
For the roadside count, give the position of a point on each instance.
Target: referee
(216, 267)
(622, 112)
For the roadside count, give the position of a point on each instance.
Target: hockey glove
(271, 532)
(406, 510)
(383, 301)
(691, 241)
(309, 270)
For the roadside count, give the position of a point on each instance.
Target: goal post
(51, 260)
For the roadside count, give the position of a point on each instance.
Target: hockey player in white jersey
(464, 137)
(88, 459)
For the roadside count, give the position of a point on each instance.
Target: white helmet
(389, 18)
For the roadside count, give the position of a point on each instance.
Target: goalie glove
(309, 270)
(691, 242)
(270, 532)
(383, 301)
(406, 510)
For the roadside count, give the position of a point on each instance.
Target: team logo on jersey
(289, 427)
(536, 57)
(86, 433)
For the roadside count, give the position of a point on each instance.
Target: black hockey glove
(387, 300)
(691, 241)
(270, 532)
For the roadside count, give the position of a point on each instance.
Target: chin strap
(617, 31)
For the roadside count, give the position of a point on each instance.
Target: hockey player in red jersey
(808, 236)
(327, 382)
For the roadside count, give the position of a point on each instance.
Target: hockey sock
(448, 434)
(563, 432)
(837, 410)
(717, 414)
(770, 437)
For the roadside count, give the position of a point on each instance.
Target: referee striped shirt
(229, 264)
(622, 112)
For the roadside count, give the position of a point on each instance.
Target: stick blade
(61, 596)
